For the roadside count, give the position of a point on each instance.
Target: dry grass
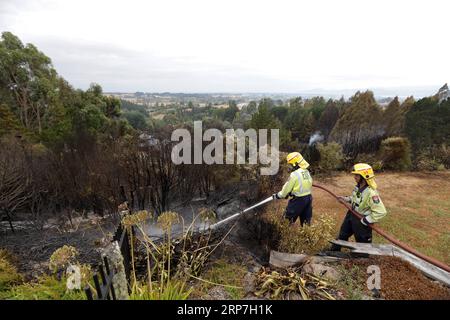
(292, 238)
(418, 207)
(292, 284)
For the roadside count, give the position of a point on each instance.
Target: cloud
(232, 45)
(120, 69)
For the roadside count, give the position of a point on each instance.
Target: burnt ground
(249, 244)
(400, 280)
(32, 247)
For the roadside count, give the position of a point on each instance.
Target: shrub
(331, 156)
(442, 154)
(428, 162)
(62, 258)
(172, 261)
(395, 152)
(8, 272)
(309, 239)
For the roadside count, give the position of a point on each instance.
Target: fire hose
(387, 236)
(221, 222)
(377, 229)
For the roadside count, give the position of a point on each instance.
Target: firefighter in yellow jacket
(298, 187)
(364, 200)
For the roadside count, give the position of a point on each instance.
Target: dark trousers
(299, 207)
(353, 226)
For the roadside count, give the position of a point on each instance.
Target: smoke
(316, 137)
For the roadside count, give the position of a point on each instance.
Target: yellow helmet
(365, 171)
(295, 158)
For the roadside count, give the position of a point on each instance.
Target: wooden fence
(105, 288)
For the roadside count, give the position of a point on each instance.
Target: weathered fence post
(116, 264)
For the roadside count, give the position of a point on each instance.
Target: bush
(442, 154)
(428, 162)
(8, 272)
(395, 153)
(62, 258)
(331, 156)
(307, 239)
(172, 262)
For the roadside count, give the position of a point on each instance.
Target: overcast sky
(239, 46)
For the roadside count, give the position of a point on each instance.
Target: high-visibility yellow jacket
(299, 184)
(368, 203)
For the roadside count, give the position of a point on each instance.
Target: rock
(249, 283)
(256, 268)
(321, 270)
(285, 260)
(443, 93)
(217, 293)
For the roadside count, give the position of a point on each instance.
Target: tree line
(66, 150)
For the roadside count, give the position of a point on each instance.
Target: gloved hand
(343, 199)
(365, 222)
(275, 196)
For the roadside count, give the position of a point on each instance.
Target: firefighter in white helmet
(298, 187)
(366, 201)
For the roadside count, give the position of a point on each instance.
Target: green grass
(13, 287)
(46, 288)
(413, 204)
(173, 290)
(418, 231)
(222, 272)
(352, 282)
(444, 204)
(440, 213)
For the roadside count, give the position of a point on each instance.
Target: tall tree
(328, 118)
(427, 124)
(27, 79)
(394, 116)
(360, 128)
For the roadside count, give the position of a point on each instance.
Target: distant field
(418, 207)
(158, 116)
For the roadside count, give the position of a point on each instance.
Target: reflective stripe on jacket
(368, 203)
(299, 184)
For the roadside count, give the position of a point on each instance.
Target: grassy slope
(418, 207)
